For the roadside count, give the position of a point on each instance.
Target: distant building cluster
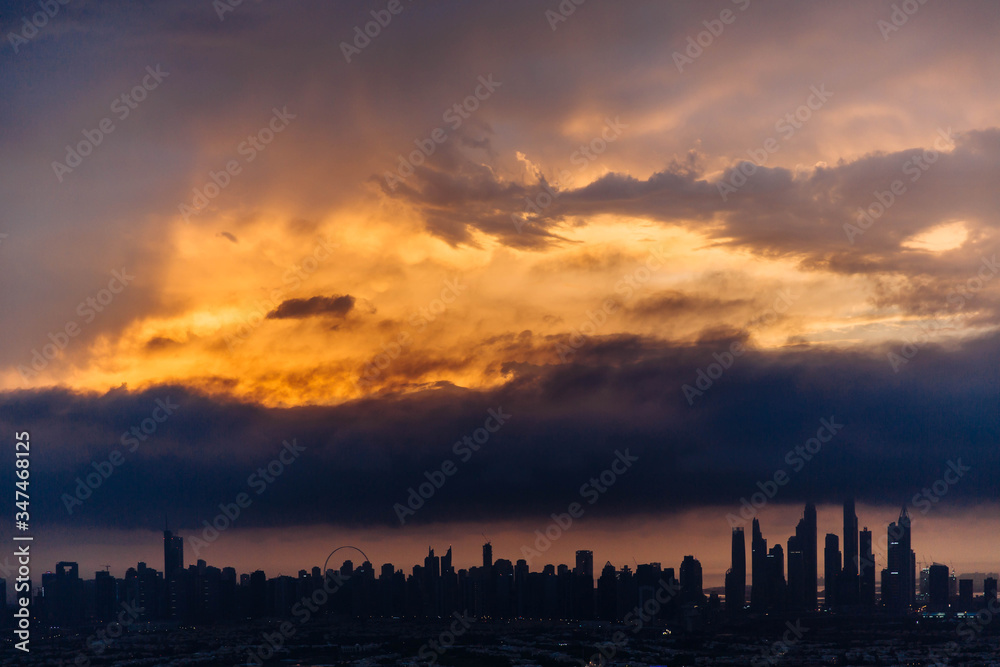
(782, 580)
(789, 582)
(497, 589)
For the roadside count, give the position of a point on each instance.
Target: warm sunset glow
(939, 239)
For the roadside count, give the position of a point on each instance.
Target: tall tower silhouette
(583, 585)
(831, 571)
(692, 588)
(759, 595)
(173, 572)
(487, 583)
(808, 539)
(173, 551)
(736, 577)
(803, 557)
(585, 563)
(866, 567)
(901, 566)
(850, 591)
(446, 562)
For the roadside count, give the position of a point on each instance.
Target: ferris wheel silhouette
(338, 549)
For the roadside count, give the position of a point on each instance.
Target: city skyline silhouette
(853, 582)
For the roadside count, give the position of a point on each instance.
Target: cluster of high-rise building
(771, 588)
(782, 579)
(849, 576)
(789, 582)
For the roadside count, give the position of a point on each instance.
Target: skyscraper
(521, 576)
(104, 596)
(585, 563)
(901, 566)
(803, 588)
(866, 563)
(692, 589)
(488, 555)
(808, 538)
(938, 584)
(736, 577)
(174, 574)
(446, 567)
(775, 568)
(173, 552)
(795, 595)
(431, 583)
(432, 564)
(583, 585)
(607, 593)
(831, 570)
(965, 594)
(849, 584)
(68, 599)
(758, 564)
(487, 583)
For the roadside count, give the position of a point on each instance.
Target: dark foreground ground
(809, 640)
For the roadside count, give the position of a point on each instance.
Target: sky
(492, 249)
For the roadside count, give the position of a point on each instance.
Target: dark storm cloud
(899, 431)
(334, 306)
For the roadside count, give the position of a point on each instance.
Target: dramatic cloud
(335, 306)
